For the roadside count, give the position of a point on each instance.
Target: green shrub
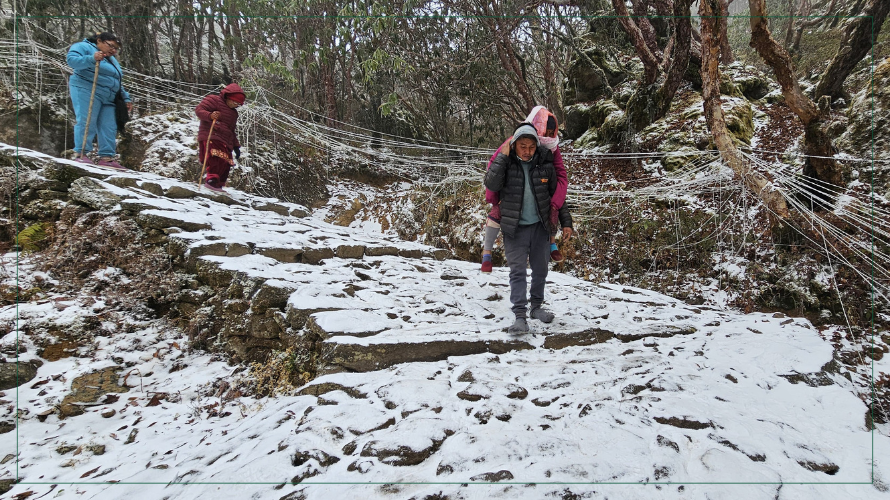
(32, 237)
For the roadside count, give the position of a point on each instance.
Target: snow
(352, 322)
(732, 265)
(681, 401)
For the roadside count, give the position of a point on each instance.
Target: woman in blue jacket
(83, 57)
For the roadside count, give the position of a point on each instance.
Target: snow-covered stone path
(421, 393)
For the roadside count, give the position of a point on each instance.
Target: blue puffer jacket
(80, 58)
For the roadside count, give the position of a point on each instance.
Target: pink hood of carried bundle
(538, 117)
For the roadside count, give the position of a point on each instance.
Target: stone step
(175, 207)
(381, 311)
(358, 301)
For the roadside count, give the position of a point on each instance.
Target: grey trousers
(528, 247)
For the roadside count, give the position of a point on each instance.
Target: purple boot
(110, 163)
(213, 185)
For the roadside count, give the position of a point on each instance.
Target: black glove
(238, 153)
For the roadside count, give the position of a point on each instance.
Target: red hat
(237, 97)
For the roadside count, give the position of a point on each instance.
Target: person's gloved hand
(554, 216)
(238, 153)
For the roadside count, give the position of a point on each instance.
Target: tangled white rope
(438, 164)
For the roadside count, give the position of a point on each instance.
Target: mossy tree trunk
(726, 55)
(857, 41)
(818, 145)
(758, 183)
(651, 101)
(634, 27)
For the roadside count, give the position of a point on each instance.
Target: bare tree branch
(650, 62)
(818, 145)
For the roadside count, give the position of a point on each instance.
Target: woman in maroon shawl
(217, 150)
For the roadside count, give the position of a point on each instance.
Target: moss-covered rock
(623, 94)
(585, 83)
(587, 140)
(577, 120)
(739, 118)
(676, 159)
(728, 87)
(691, 112)
(868, 119)
(747, 81)
(87, 389)
(583, 116)
(612, 129)
(688, 111)
(753, 86)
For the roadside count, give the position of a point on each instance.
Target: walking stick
(207, 151)
(86, 129)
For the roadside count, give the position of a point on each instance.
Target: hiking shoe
(211, 187)
(541, 314)
(84, 159)
(110, 163)
(486, 266)
(556, 256)
(518, 326)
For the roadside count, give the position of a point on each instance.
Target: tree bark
(651, 102)
(330, 93)
(233, 22)
(857, 41)
(188, 28)
(211, 40)
(789, 31)
(132, 23)
(569, 40)
(756, 182)
(641, 10)
(199, 45)
(548, 69)
(229, 50)
(680, 58)
(780, 62)
(726, 55)
(650, 62)
(805, 21)
(818, 146)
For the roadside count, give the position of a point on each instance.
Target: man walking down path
(525, 181)
(548, 137)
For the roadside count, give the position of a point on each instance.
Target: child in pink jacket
(546, 125)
